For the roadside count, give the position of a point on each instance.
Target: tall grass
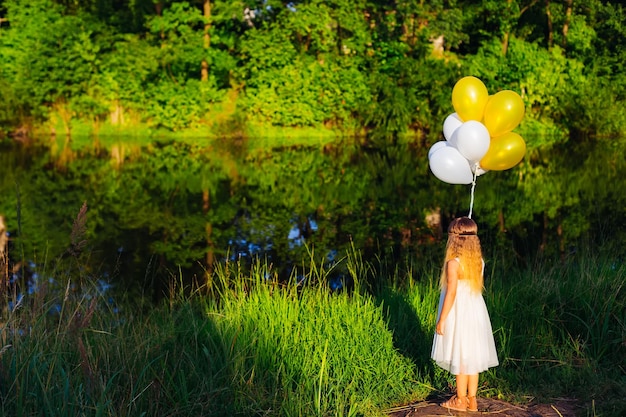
(249, 345)
(561, 330)
(307, 351)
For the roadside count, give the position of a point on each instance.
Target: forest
(304, 72)
(376, 69)
(219, 207)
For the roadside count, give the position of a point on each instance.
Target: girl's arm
(452, 275)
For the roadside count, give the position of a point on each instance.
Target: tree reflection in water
(179, 208)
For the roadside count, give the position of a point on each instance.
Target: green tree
(301, 65)
(349, 64)
(56, 68)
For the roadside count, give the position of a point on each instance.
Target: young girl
(463, 343)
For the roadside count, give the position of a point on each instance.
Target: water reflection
(161, 209)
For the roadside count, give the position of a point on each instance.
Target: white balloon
(453, 138)
(472, 140)
(452, 123)
(436, 146)
(477, 169)
(450, 166)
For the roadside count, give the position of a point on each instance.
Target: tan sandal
(472, 404)
(455, 403)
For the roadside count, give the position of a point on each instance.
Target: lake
(138, 213)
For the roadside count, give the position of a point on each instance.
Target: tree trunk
(568, 18)
(204, 72)
(549, 20)
(505, 43)
(158, 8)
(507, 34)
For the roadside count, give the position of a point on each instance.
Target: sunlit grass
(253, 347)
(249, 345)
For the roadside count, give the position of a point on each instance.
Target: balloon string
(472, 195)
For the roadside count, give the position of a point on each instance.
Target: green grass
(248, 345)
(561, 330)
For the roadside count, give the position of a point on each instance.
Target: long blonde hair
(464, 245)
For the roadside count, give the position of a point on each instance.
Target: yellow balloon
(504, 152)
(469, 98)
(503, 112)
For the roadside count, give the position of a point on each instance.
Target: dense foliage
(354, 66)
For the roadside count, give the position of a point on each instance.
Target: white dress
(467, 345)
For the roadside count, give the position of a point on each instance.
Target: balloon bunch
(479, 136)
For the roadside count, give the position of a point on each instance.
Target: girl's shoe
(456, 403)
(472, 404)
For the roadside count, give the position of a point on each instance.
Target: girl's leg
(458, 401)
(472, 389)
(462, 384)
(472, 385)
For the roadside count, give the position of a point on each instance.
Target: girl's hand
(439, 328)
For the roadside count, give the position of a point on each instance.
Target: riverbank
(247, 344)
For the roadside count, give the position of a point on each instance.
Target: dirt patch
(487, 406)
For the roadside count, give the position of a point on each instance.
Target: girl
(463, 343)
